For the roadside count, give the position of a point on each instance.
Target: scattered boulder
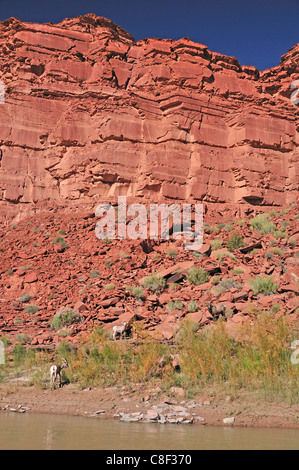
(229, 420)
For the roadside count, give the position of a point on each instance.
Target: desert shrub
(209, 229)
(222, 255)
(292, 242)
(64, 316)
(262, 224)
(174, 286)
(138, 292)
(263, 285)
(277, 251)
(24, 298)
(259, 360)
(22, 338)
(19, 354)
(9, 271)
(64, 332)
(234, 242)
(172, 254)
(279, 233)
(109, 287)
(31, 309)
(225, 285)
(216, 244)
(154, 282)
(61, 241)
(196, 254)
(174, 305)
(197, 275)
(284, 211)
(192, 306)
(237, 271)
(275, 308)
(94, 273)
(26, 268)
(215, 279)
(228, 227)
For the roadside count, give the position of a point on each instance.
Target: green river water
(46, 432)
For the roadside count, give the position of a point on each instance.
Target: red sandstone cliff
(89, 114)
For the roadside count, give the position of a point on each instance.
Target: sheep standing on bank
(119, 330)
(55, 370)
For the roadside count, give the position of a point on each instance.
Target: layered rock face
(90, 114)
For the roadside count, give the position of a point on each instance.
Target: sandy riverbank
(107, 403)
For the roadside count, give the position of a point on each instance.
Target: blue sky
(256, 32)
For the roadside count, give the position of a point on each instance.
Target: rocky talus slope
(88, 114)
(49, 263)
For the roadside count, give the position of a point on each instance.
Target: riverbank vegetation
(257, 358)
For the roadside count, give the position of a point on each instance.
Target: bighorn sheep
(119, 329)
(216, 310)
(55, 370)
(175, 360)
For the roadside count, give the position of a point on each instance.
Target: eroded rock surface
(90, 114)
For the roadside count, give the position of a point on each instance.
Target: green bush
(197, 275)
(263, 285)
(154, 282)
(94, 273)
(109, 287)
(138, 292)
(192, 306)
(31, 309)
(234, 242)
(196, 254)
(19, 354)
(228, 227)
(24, 298)
(216, 244)
(277, 251)
(262, 224)
(61, 241)
(172, 253)
(292, 242)
(64, 316)
(225, 285)
(237, 271)
(215, 279)
(23, 338)
(174, 305)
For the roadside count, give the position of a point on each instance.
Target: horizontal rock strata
(90, 114)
